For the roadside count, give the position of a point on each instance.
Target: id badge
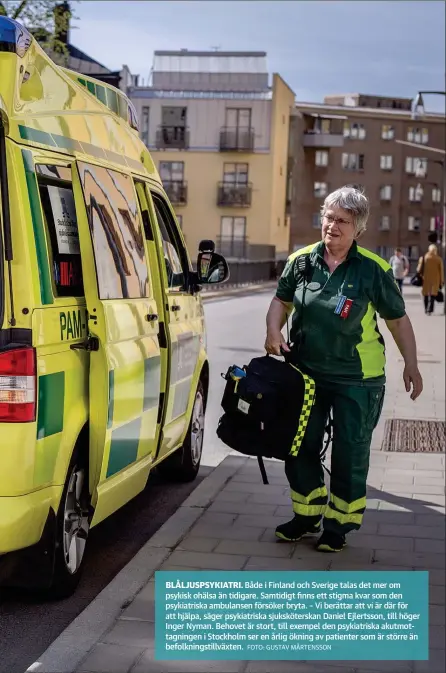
(346, 308)
(340, 304)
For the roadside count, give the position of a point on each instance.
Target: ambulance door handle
(175, 307)
(91, 344)
(152, 317)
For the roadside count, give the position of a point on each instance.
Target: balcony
(172, 138)
(317, 139)
(229, 194)
(176, 191)
(236, 139)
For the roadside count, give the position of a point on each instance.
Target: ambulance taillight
(18, 386)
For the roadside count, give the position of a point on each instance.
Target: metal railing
(230, 194)
(176, 137)
(236, 139)
(244, 272)
(235, 248)
(176, 190)
(241, 249)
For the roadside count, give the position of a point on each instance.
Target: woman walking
(336, 289)
(430, 268)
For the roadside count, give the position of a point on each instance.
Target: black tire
(75, 500)
(183, 465)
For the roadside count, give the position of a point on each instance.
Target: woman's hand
(413, 381)
(402, 331)
(275, 342)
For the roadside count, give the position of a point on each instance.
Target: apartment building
(218, 132)
(350, 139)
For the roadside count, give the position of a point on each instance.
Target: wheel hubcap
(197, 431)
(76, 525)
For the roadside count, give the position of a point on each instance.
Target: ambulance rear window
(56, 195)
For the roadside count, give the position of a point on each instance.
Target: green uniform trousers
(356, 411)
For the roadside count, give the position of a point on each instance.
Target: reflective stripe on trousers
(313, 504)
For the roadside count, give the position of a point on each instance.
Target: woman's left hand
(413, 381)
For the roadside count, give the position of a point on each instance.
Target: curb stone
(73, 645)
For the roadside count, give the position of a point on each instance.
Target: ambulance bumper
(27, 538)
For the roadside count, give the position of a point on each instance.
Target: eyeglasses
(338, 220)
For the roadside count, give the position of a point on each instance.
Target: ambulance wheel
(73, 525)
(183, 465)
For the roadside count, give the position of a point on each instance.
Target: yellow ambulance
(103, 367)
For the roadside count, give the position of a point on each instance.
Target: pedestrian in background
(336, 289)
(400, 267)
(430, 267)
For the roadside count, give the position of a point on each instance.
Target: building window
(172, 171)
(321, 158)
(384, 223)
(235, 174)
(316, 220)
(233, 241)
(321, 125)
(145, 125)
(385, 193)
(414, 223)
(414, 164)
(352, 162)
(418, 135)
(387, 132)
(436, 195)
(320, 189)
(415, 194)
(354, 131)
(173, 132)
(239, 118)
(386, 162)
(233, 228)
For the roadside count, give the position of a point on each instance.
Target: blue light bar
(14, 38)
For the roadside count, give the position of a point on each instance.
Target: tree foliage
(39, 17)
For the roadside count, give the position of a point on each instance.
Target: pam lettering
(63, 324)
(72, 325)
(77, 324)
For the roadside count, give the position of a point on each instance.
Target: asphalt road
(27, 625)
(236, 330)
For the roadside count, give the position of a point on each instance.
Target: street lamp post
(417, 112)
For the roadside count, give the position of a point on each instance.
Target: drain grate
(414, 436)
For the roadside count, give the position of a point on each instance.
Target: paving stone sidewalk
(228, 523)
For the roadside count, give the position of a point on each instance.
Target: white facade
(205, 117)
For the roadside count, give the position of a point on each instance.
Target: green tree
(47, 20)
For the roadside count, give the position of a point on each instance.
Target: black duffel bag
(266, 407)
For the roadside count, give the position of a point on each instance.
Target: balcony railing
(242, 249)
(315, 138)
(236, 139)
(229, 194)
(172, 137)
(176, 190)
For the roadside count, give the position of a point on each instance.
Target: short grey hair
(354, 201)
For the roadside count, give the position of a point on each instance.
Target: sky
(386, 48)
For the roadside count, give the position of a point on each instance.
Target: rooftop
(219, 62)
(346, 109)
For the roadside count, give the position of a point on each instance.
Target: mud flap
(33, 567)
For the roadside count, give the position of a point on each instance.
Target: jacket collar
(320, 249)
